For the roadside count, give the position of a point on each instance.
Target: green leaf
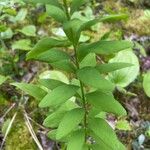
(76, 140)
(54, 119)
(31, 89)
(103, 47)
(54, 74)
(46, 44)
(69, 122)
(124, 76)
(105, 102)
(2, 79)
(52, 2)
(21, 14)
(89, 60)
(75, 5)
(107, 18)
(59, 95)
(90, 76)
(146, 84)
(23, 44)
(8, 34)
(51, 83)
(56, 13)
(71, 29)
(106, 68)
(104, 134)
(29, 30)
(52, 55)
(64, 65)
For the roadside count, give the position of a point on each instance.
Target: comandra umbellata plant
(78, 123)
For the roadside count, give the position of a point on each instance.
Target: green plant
(78, 123)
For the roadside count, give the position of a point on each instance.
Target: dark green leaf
(104, 134)
(69, 122)
(44, 45)
(76, 140)
(52, 55)
(54, 119)
(103, 47)
(76, 4)
(64, 65)
(33, 90)
(105, 102)
(90, 76)
(106, 68)
(51, 83)
(59, 95)
(57, 13)
(108, 18)
(71, 29)
(52, 2)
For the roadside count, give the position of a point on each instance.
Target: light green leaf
(21, 15)
(76, 140)
(90, 76)
(56, 13)
(104, 134)
(29, 30)
(106, 68)
(59, 95)
(23, 44)
(69, 122)
(31, 89)
(54, 74)
(89, 60)
(105, 102)
(124, 77)
(8, 34)
(2, 79)
(46, 44)
(123, 125)
(146, 84)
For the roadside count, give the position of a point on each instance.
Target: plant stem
(75, 46)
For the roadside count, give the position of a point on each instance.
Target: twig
(8, 129)
(29, 126)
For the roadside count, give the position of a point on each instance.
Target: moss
(19, 138)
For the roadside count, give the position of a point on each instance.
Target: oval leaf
(76, 140)
(31, 89)
(90, 76)
(69, 122)
(56, 13)
(106, 68)
(124, 77)
(105, 102)
(146, 84)
(59, 95)
(44, 45)
(103, 47)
